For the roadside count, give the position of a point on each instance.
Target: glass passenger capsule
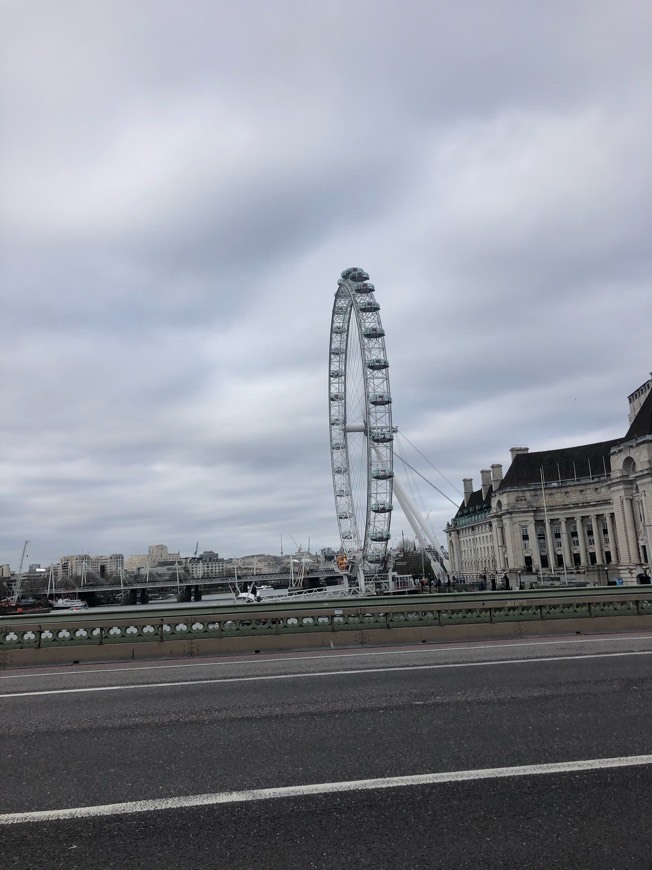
(348, 272)
(381, 436)
(358, 275)
(381, 507)
(377, 364)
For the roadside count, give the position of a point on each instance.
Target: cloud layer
(182, 184)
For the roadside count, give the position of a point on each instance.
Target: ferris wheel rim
(364, 534)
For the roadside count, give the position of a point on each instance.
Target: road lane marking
(310, 674)
(260, 794)
(327, 654)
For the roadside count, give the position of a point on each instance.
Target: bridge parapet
(206, 629)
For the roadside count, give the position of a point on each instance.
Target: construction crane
(298, 546)
(13, 604)
(18, 586)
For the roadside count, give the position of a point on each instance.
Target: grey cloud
(182, 184)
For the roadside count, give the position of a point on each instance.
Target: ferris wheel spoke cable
(404, 437)
(429, 482)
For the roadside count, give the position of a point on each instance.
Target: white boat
(257, 592)
(62, 602)
(68, 604)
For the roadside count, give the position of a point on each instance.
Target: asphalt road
(444, 731)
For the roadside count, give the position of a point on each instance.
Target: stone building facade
(576, 510)
(206, 564)
(81, 563)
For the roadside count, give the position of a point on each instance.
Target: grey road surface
(99, 735)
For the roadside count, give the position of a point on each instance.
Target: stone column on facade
(599, 558)
(455, 557)
(630, 525)
(452, 550)
(534, 546)
(501, 549)
(613, 540)
(621, 529)
(458, 564)
(584, 561)
(512, 559)
(550, 544)
(646, 503)
(565, 545)
(495, 544)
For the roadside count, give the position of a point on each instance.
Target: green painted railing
(291, 618)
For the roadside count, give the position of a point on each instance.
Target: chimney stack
(485, 474)
(515, 451)
(496, 475)
(468, 489)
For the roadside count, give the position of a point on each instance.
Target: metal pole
(547, 526)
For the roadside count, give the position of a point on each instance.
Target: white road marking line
(230, 797)
(310, 674)
(327, 654)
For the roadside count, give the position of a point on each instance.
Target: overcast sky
(184, 180)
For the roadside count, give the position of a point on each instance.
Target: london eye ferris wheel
(360, 418)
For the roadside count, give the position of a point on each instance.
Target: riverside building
(583, 510)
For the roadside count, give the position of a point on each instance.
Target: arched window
(629, 466)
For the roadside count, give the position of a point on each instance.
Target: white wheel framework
(360, 417)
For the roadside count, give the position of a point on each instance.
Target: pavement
(502, 754)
